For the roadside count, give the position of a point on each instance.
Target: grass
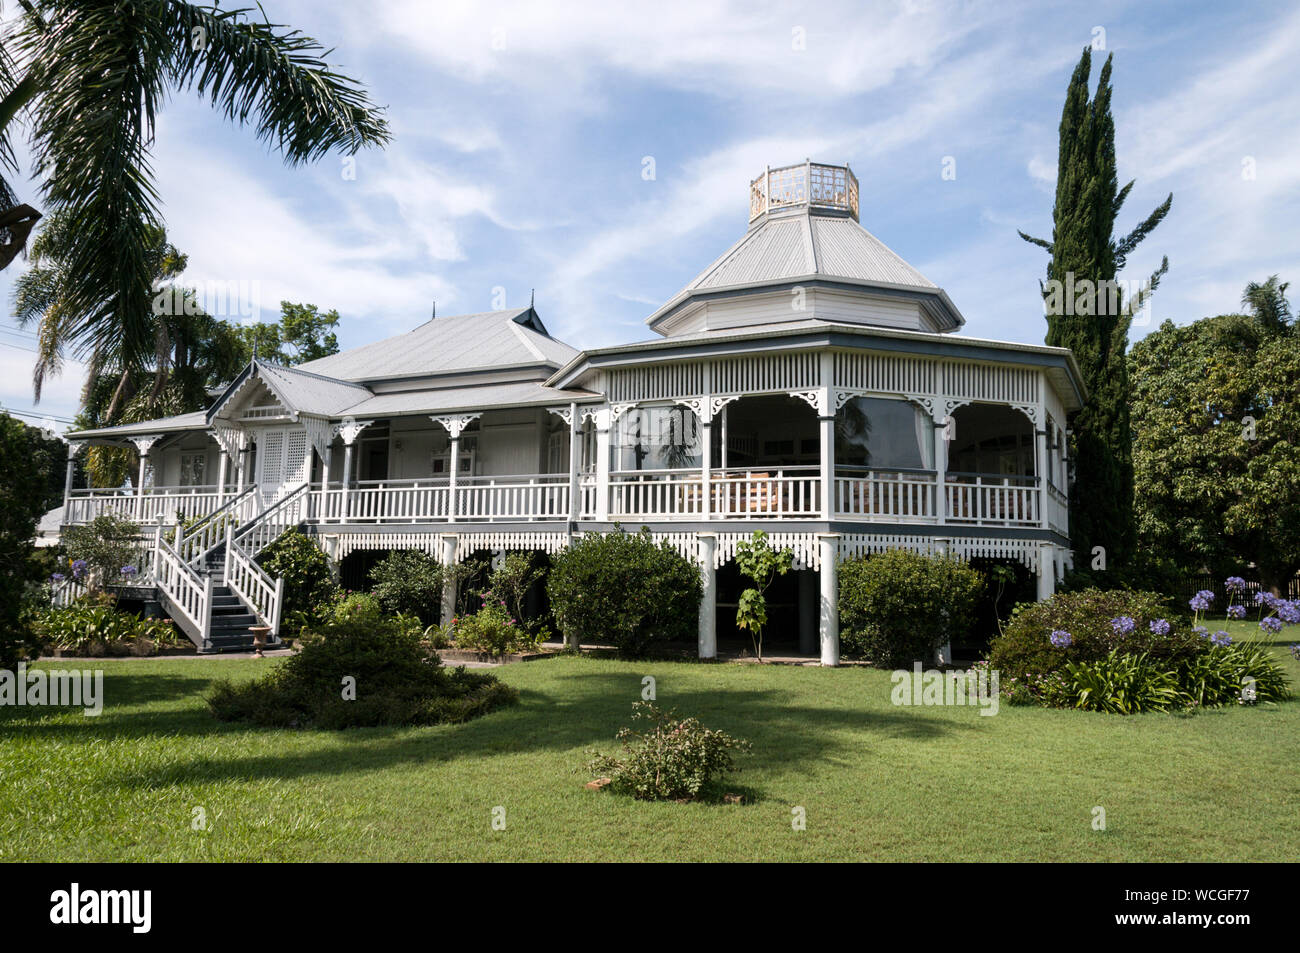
(877, 782)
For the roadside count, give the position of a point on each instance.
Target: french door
(283, 462)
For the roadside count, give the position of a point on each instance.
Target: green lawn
(877, 782)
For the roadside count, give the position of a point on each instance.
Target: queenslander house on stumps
(807, 383)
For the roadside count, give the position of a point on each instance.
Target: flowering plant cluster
(1061, 639)
(493, 630)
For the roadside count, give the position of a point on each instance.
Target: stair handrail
(266, 527)
(199, 540)
(187, 592)
(250, 582)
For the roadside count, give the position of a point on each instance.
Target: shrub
(511, 582)
(757, 560)
(1025, 650)
(409, 582)
(1122, 683)
(622, 588)
(309, 587)
(671, 759)
(493, 630)
(93, 625)
(1219, 675)
(899, 607)
(103, 546)
(393, 676)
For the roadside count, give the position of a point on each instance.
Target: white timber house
(809, 383)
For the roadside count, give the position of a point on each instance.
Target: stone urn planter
(260, 632)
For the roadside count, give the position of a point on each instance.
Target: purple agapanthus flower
(129, 570)
(1123, 625)
(1234, 583)
(1271, 624)
(78, 568)
(1295, 651)
(57, 577)
(1221, 639)
(1236, 612)
(1061, 639)
(1202, 631)
(1160, 626)
(1288, 612)
(1201, 601)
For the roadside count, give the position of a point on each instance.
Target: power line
(18, 347)
(29, 413)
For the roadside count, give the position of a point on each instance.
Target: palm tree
(1267, 302)
(86, 79)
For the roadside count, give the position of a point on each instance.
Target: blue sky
(521, 132)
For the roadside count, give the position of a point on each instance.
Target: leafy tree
(1216, 414)
(302, 334)
(22, 501)
(1095, 324)
(310, 590)
(87, 77)
(756, 559)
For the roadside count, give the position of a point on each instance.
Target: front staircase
(208, 579)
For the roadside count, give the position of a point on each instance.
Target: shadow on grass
(585, 713)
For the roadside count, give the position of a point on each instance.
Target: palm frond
(277, 77)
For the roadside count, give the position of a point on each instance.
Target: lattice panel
(854, 545)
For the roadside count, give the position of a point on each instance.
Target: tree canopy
(1216, 420)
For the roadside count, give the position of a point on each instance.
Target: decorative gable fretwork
(854, 372)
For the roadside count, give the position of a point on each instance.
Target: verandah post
(829, 603)
(449, 544)
(708, 623)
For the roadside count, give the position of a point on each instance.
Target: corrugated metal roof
(804, 245)
(311, 393)
(194, 421)
(465, 342)
(481, 397)
(847, 250)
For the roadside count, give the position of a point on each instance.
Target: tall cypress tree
(1094, 323)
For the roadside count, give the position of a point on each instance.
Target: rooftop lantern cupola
(813, 185)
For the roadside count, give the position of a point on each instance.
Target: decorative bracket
(1030, 411)
(618, 410)
(814, 399)
(145, 444)
(563, 413)
(717, 403)
(349, 430)
(455, 424)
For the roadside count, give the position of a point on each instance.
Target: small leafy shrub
(395, 679)
(511, 582)
(98, 550)
(671, 759)
(1027, 650)
(409, 582)
(93, 625)
(309, 587)
(620, 587)
(760, 563)
(1122, 683)
(898, 607)
(493, 630)
(1221, 675)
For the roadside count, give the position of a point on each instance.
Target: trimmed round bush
(620, 587)
(898, 607)
(394, 679)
